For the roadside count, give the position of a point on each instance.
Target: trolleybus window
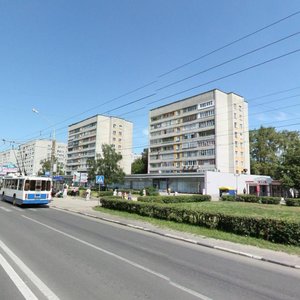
(27, 185)
(21, 182)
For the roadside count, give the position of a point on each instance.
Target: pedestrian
(115, 192)
(65, 191)
(169, 191)
(88, 194)
(129, 196)
(144, 192)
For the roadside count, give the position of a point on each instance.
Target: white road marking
(33, 209)
(132, 263)
(37, 282)
(6, 209)
(17, 208)
(15, 278)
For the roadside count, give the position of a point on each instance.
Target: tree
(264, 151)
(107, 165)
(276, 154)
(46, 167)
(140, 165)
(289, 171)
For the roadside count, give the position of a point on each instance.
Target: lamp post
(52, 157)
(236, 183)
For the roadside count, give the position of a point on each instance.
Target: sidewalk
(81, 206)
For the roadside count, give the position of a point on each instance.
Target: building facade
(28, 156)
(206, 132)
(85, 140)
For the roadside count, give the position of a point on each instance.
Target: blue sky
(73, 59)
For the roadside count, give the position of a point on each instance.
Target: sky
(71, 59)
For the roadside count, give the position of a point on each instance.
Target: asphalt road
(50, 254)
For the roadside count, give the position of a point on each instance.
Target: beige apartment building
(206, 132)
(85, 140)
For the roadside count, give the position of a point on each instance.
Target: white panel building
(85, 140)
(206, 132)
(28, 156)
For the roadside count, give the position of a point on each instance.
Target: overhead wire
(228, 75)
(230, 43)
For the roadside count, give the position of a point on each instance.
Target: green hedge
(270, 200)
(274, 230)
(175, 199)
(292, 201)
(252, 199)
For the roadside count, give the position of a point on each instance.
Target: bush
(292, 201)
(150, 191)
(104, 193)
(247, 198)
(274, 230)
(252, 199)
(228, 198)
(175, 199)
(270, 200)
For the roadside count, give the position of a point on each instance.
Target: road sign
(100, 179)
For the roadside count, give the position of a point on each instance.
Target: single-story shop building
(208, 183)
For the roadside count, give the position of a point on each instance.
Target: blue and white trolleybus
(26, 189)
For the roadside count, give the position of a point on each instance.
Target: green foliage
(269, 200)
(140, 165)
(175, 199)
(46, 167)
(292, 201)
(264, 144)
(107, 165)
(150, 191)
(277, 154)
(274, 230)
(228, 198)
(252, 199)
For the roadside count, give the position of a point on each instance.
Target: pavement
(85, 207)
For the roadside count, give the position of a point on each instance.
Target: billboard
(8, 168)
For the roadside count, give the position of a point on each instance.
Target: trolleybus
(26, 189)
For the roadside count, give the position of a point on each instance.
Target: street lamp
(52, 158)
(236, 183)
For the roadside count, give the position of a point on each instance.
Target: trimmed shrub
(175, 199)
(251, 199)
(150, 191)
(247, 198)
(228, 198)
(104, 193)
(274, 230)
(292, 201)
(270, 200)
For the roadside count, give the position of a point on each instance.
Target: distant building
(30, 155)
(85, 140)
(206, 132)
(8, 156)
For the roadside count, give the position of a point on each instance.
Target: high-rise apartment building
(206, 132)
(28, 156)
(85, 140)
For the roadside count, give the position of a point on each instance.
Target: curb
(175, 237)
